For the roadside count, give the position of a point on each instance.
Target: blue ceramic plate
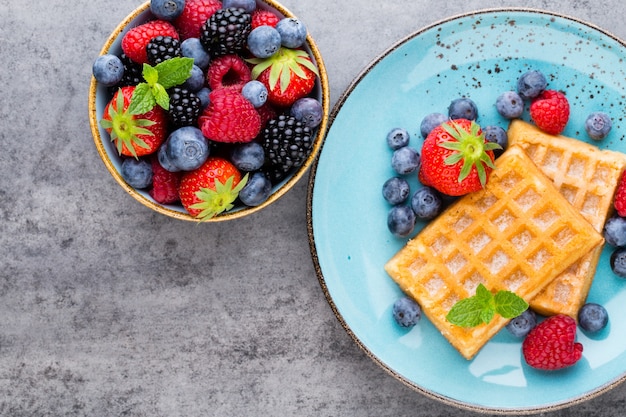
(478, 55)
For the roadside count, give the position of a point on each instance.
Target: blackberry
(184, 108)
(133, 74)
(287, 143)
(162, 48)
(226, 31)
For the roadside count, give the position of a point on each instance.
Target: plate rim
(602, 389)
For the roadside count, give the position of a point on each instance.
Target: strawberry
(136, 40)
(134, 135)
(211, 189)
(456, 159)
(551, 344)
(194, 14)
(229, 117)
(261, 17)
(289, 75)
(228, 71)
(620, 197)
(164, 183)
(550, 111)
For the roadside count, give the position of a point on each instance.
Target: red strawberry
(211, 189)
(134, 135)
(164, 183)
(620, 197)
(261, 17)
(550, 111)
(289, 75)
(456, 159)
(229, 117)
(135, 41)
(228, 71)
(195, 13)
(551, 344)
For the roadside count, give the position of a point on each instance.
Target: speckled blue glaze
(477, 55)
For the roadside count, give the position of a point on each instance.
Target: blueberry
(186, 148)
(521, 325)
(255, 92)
(308, 111)
(497, 135)
(108, 69)
(264, 41)
(618, 262)
(430, 122)
(531, 84)
(203, 95)
(615, 231)
(396, 190)
(256, 191)
(598, 125)
(463, 108)
(292, 32)
(398, 138)
(165, 162)
(592, 317)
(167, 9)
(247, 5)
(406, 312)
(248, 157)
(192, 48)
(137, 172)
(405, 160)
(196, 80)
(426, 203)
(510, 105)
(401, 221)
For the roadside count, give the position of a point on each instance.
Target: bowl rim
(228, 215)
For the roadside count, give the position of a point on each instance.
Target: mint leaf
(175, 71)
(466, 313)
(509, 304)
(161, 97)
(482, 307)
(150, 74)
(142, 100)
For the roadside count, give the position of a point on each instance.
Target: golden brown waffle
(587, 178)
(517, 234)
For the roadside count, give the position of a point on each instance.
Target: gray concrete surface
(108, 309)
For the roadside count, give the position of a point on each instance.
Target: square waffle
(587, 177)
(516, 234)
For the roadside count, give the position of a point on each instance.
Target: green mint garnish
(482, 307)
(158, 80)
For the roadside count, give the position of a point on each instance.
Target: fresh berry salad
(210, 104)
(455, 158)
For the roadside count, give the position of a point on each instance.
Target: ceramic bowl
(99, 97)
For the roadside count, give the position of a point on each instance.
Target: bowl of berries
(208, 110)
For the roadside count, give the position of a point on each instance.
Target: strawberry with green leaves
(211, 189)
(136, 116)
(456, 159)
(288, 75)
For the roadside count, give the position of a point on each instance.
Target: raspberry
(229, 118)
(164, 183)
(228, 71)
(551, 344)
(195, 13)
(262, 17)
(550, 111)
(620, 197)
(136, 40)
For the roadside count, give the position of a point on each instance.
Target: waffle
(587, 178)
(516, 234)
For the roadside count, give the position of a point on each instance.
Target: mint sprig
(482, 307)
(158, 80)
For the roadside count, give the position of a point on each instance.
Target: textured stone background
(107, 309)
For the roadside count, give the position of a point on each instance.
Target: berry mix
(211, 103)
(456, 158)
